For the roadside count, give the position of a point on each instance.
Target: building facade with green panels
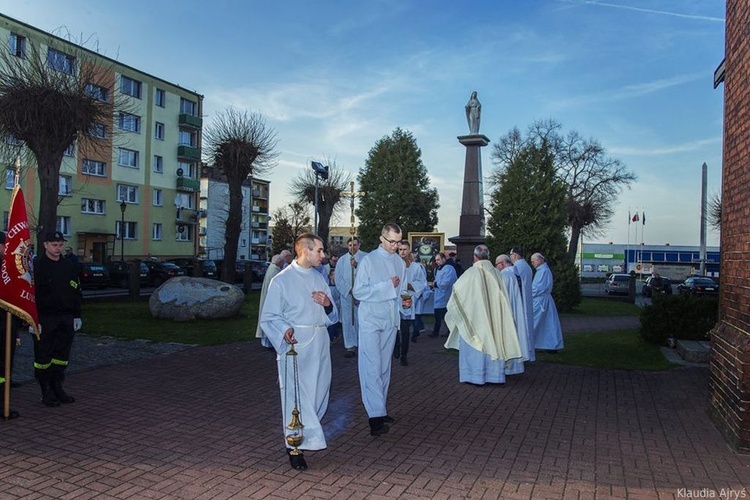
(136, 193)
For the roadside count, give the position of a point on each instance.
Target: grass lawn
(132, 320)
(622, 350)
(619, 350)
(605, 307)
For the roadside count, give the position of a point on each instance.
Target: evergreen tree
(528, 209)
(396, 189)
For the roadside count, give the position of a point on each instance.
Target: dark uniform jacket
(58, 290)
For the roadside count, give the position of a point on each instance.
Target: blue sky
(333, 77)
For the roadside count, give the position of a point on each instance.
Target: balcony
(188, 152)
(188, 184)
(191, 121)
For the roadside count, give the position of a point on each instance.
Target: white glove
(77, 324)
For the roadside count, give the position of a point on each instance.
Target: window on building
(188, 107)
(98, 131)
(18, 45)
(156, 232)
(66, 185)
(10, 177)
(63, 225)
(90, 206)
(94, 167)
(127, 193)
(71, 151)
(159, 131)
(160, 98)
(187, 138)
(184, 233)
(158, 198)
(60, 61)
(158, 164)
(131, 123)
(131, 87)
(188, 169)
(131, 229)
(128, 158)
(97, 92)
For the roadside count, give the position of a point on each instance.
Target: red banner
(17, 294)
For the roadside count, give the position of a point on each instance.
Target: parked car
(119, 273)
(93, 275)
(647, 288)
(698, 286)
(159, 272)
(617, 284)
(258, 267)
(208, 267)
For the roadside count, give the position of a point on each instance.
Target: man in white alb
(298, 310)
(346, 271)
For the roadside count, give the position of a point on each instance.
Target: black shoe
(414, 339)
(404, 362)
(297, 461)
(378, 426)
(551, 351)
(396, 353)
(388, 419)
(11, 415)
(433, 335)
(60, 393)
(48, 396)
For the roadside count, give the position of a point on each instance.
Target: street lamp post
(123, 207)
(321, 172)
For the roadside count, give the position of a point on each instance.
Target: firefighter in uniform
(58, 301)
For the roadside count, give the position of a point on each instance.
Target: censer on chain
(294, 434)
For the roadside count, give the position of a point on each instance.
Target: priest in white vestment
(346, 272)
(513, 289)
(523, 270)
(547, 329)
(298, 310)
(379, 285)
(480, 320)
(273, 269)
(416, 282)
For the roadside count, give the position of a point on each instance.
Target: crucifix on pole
(351, 194)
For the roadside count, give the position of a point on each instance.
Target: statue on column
(473, 113)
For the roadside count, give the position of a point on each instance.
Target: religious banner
(427, 246)
(17, 294)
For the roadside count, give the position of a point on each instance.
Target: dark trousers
(401, 349)
(52, 350)
(418, 324)
(439, 317)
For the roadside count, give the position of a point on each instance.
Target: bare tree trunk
(575, 235)
(48, 165)
(232, 231)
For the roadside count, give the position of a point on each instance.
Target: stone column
(730, 338)
(471, 224)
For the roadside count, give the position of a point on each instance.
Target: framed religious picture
(426, 246)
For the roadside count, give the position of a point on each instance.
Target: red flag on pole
(635, 217)
(17, 294)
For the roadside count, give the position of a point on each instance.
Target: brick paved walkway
(204, 423)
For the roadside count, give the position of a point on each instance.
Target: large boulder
(184, 298)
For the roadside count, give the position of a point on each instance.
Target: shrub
(682, 316)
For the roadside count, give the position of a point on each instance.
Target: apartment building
(254, 242)
(136, 193)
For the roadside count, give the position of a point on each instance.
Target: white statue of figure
(473, 113)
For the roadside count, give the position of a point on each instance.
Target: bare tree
(240, 145)
(289, 222)
(329, 194)
(593, 179)
(48, 101)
